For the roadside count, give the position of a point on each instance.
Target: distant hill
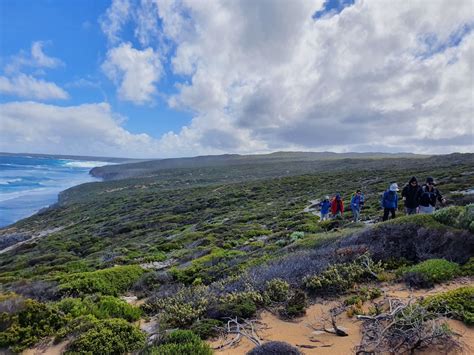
(282, 159)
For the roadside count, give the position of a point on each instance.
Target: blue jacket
(356, 202)
(390, 199)
(325, 205)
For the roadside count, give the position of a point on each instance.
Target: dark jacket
(411, 194)
(390, 199)
(428, 198)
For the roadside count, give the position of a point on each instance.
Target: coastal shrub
(206, 328)
(295, 306)
(468, 268)
(431, 271)
(111, 281)
(458, 303)
(239, 304)
(277, 290)
(449, 216)
(363, 294)
(217, 264)
(341, 277)
(39, 290)
(109, 336)
(150, 281)
(25, 327)
(181, 342)
(415, 238)
(181, 308)
(75, 327)
(274, 348)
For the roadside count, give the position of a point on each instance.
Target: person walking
(337, 206)
(390, 201)
(356, 205)
(410, 196)
(428, 195)
(325, 206)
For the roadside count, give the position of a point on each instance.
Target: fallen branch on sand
(322, 326)
(404, 328)
(246, 328)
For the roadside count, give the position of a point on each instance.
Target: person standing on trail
(410, 196)
(337, 206)
(356, 205)
(428, 195)
(325, 206)
(390, 201)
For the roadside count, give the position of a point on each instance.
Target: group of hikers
(417, 199)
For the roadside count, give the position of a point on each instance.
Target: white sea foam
(85, 164)
(8, 181)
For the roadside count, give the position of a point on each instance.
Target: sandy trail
(298, 333)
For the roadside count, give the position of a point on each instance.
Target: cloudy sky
(168, 78)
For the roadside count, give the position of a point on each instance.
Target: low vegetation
(205, 244)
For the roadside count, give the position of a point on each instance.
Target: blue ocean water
(28, 183)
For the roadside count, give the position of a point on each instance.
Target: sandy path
(298, 333)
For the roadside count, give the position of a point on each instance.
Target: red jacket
(334, 203)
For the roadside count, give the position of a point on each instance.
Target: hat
(338, 197)
(430, 180)
(326, 197)
(394, 187)
(413, 179)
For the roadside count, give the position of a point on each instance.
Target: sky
(173, 78)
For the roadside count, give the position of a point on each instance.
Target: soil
(300, 334)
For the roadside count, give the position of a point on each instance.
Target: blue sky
(72, 33)
(154, 78)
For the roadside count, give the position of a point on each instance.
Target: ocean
(30, 183)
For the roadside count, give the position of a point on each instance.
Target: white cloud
(134, 71)
(390, 74)
(115, 17)
(36, 59)
(26, 86)
(89, 129)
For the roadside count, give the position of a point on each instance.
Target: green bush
(112, 281)
(341, 277)
(182, 342)
(295, 306)
(240, 304)
(435, 270)
(25, 328)
(468, 268)
(456, 216)
(112, 307)
(449, 215)
(206, 328)
(459, 303)
(182, 309)
(109, 336)
(99, 306)
(277, 290)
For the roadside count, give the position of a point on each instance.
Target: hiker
(337, 206)
(390, 201)
(428, 195)
(410, 196)
(325, 206)
(356, 205)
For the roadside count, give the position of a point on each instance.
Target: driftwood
(247, 329)
(403, 328)
(335, 329)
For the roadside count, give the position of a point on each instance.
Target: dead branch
(404, 328)
(247, 329)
